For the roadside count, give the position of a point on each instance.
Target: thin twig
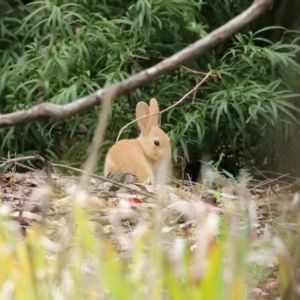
(188, 93)
(18, 159)
(168, 108)
(21, 165)
(38, 157)
(276, 173)
(27, 167)
(194, 95)
(97, 140)
(132, 122)
(187, 69)
(260, 173)
(192, 71)
(59, 112)
(102, 178)
(269, 181)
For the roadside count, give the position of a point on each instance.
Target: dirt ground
(36, 196)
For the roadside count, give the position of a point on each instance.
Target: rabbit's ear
(154, 109)
(142, 109)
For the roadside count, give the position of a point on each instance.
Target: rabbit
(141, 155)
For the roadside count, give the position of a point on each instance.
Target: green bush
(58, 51)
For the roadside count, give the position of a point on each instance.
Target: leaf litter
(32, 200)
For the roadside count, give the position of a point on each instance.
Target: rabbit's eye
(156, 143)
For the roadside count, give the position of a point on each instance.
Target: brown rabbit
(140, 156)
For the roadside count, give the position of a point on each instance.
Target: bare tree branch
(60, 112)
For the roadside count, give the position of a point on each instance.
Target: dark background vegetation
(59, 51)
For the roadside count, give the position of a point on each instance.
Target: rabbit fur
(141, 155)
